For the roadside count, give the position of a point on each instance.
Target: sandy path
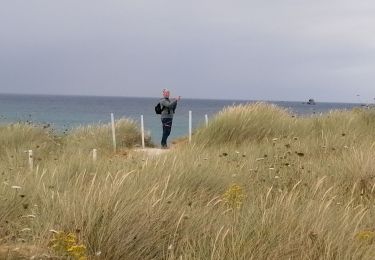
(152, 151)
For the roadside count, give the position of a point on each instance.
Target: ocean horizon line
(183, 98)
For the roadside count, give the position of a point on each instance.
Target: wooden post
(113, 132)
(94, 155)
(206, 117)
(143, 132)
(190, 125)
(31, 160)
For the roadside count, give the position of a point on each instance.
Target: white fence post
(190, 125)
(113, 132)
(143, 132)
(94, 155)
(31, 161)
(206, 117)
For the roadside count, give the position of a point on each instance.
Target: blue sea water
(66, 112)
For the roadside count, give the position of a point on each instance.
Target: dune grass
(257, 183)
(89, 137)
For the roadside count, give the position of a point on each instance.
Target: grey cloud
(278, 50)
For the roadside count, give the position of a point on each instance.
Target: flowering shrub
(234, 196)
(66, 244)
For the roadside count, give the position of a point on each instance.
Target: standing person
(168, 108)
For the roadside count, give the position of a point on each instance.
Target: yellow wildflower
(234, 196)
(365, 236)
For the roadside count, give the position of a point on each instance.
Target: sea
(63, 113)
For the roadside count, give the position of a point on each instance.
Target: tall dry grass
(89, 137)
(236, 124)
(299, 188)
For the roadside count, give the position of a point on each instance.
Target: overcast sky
(245, 49)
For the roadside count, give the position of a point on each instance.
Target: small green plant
(66, 244)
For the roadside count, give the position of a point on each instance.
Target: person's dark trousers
(167, 126)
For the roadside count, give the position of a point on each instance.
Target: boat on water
(311, 102)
